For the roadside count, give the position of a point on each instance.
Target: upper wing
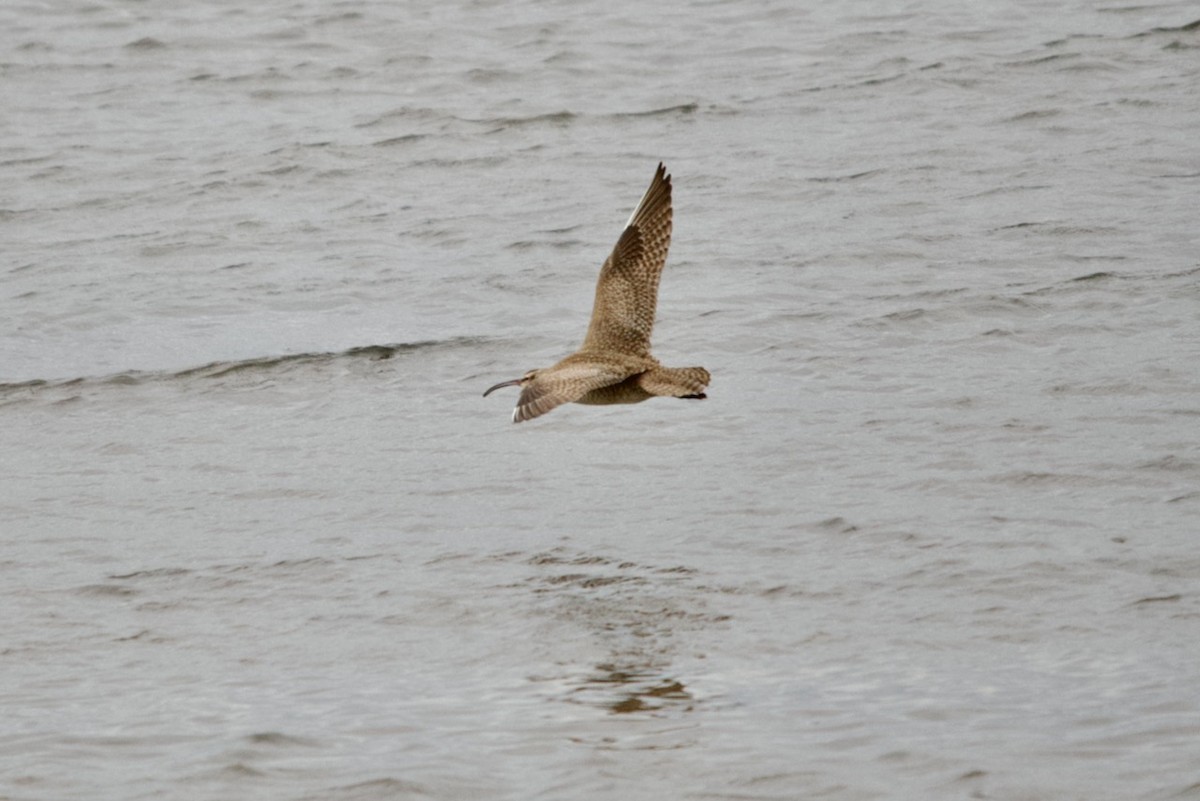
(627, 292)
(562, 384)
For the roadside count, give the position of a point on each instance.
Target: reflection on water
(623, 689)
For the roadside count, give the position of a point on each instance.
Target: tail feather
(675, 382)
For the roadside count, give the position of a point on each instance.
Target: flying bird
(614, 364)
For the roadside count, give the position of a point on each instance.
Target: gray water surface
(932, 535)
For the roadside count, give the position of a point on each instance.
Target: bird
(614, 364)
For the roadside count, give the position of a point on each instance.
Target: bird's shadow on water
(628, 689)
(638, 615)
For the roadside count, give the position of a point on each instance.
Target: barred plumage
(614, 364)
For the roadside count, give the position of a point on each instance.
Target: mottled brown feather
(675, 382)
(627, 290)
(567, 381)
(614, 364)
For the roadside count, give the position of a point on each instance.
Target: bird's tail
(675, 382)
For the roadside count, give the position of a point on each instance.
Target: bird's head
(516, 382)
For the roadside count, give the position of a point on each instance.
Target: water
(931, 535)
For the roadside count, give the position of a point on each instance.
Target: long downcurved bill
(513, 383)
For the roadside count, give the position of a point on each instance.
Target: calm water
(933, 534)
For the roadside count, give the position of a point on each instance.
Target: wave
(1188, 27)
(566, 117)
(28, 390)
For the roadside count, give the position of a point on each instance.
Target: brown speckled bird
(614, 364)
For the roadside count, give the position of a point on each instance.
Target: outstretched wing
(562, 384)
(627, 292)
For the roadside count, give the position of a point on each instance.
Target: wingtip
(661, 179)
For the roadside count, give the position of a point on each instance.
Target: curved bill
(513, 383)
